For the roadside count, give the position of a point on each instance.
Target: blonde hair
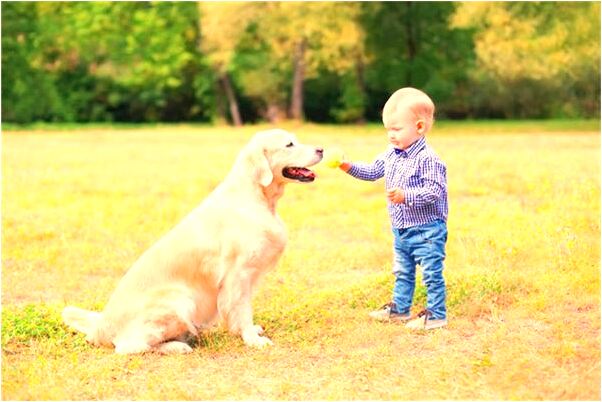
(413, 99)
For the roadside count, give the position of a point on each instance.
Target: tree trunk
(274, 113)
(220, 105)
(361, 84)
(410, 40)
(296, 110)
(234, 113)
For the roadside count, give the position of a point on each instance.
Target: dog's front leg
(234, 305)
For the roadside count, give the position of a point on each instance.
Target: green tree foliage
(411, 44)
(27, 93)
(535, 59)
(311, 36)
(287, 43)
(222, 27)
(337, 61)
(130, 61)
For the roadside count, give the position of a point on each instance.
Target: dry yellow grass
(523, 269)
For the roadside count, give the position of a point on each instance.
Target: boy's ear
(420, 125)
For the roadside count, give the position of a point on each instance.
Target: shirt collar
(413, 149)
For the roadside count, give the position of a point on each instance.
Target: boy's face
(403, 129)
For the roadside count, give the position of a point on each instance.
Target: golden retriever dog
(207, 266)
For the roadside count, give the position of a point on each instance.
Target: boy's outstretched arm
(335, 157)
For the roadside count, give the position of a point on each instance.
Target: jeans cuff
(394, 310)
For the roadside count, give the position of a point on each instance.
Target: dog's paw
(259, 342)
(174, 347)
(258, 329)
(131, 347)
(252, 338)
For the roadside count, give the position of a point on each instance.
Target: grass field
(522, 268)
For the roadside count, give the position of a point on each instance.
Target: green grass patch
(32, 322)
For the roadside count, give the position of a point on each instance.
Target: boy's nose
(320, 151)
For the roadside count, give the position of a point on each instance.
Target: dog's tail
(85, 321)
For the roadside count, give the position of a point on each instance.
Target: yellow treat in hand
(333, 157)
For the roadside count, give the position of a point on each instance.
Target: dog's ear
(259, 165)
(263, 169)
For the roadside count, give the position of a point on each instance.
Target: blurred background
(327, 62)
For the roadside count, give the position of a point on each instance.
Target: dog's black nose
(319, 151)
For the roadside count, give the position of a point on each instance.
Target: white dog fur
(207, 266)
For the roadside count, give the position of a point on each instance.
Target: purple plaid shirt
(421, 175)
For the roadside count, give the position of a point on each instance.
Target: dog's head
(276, 155)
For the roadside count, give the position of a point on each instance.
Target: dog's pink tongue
(306, 173)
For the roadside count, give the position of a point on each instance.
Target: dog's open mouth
(299, 173)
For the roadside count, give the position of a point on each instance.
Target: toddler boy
(416, 191)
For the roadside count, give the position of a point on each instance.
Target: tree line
(320, 61)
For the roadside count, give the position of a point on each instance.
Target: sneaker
(423, 321)
(385, 313)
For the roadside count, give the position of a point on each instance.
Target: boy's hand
(396, 195)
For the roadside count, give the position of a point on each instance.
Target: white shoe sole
(419, 323)
(377, 317)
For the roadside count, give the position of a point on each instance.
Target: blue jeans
(422, 245)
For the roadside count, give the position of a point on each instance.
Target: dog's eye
(290, 145)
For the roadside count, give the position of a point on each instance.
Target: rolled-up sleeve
(433, 184)
(368, 171)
